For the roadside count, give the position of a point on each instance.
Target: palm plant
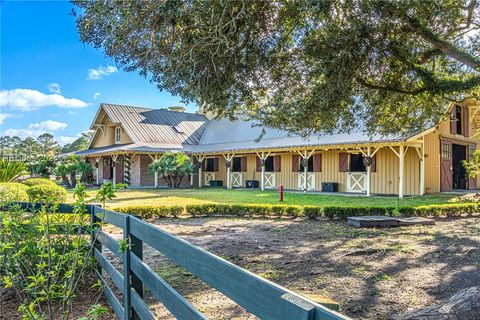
(173, 167)
(11, 170)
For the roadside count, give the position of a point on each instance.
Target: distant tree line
(45, 145)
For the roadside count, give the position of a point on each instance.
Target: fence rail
(258, 296)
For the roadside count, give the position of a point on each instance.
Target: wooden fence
(258, 296)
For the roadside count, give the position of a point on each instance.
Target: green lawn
(207, 195)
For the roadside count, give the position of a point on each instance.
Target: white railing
(237, 179)
(310, 181)
(356, 182)
(208, 177)
(269, 180)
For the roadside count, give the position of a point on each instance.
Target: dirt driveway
(372, 273)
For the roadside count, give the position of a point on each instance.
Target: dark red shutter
(465, 131)
(243, 164)
(446, 176)
(119, 170)
(106, 168)
(295, 163)
(259, 164)
(317, 163)
(343, 162)
(453, 121)
(215, 164)
(277, 167)
(373, 167)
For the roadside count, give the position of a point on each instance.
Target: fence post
(136, 247)
(126, 269)
(95, 224)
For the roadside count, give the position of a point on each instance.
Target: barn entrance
(459, 155)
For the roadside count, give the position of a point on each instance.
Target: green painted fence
(258, 296)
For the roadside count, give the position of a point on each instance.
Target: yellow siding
(432, 162)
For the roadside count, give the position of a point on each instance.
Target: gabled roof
(156, 125)
(157, 130)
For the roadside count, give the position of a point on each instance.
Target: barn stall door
(119, 169)
(446, 174)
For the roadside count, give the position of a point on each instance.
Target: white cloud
(63, 140)
(96, 95)
(54, 87)
(28, 100)
(36, 129)
(4, 116)
(101, 72)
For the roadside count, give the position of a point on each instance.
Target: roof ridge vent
(177, 108)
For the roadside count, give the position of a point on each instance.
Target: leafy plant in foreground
(11, 170)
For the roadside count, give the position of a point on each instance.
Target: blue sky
(51, 82)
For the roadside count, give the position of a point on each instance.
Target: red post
(281, 192)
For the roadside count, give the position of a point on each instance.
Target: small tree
(41, 166)
(173, 167)
(69, 167)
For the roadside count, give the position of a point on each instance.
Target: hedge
(47, 192)
(13, 191)
(38, 181)
(331, 212)
(148, 212)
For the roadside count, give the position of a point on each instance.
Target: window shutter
(317, 163)
(243, 164)
(215, 164)
(259, 164)
(343, 162)
(277, 167)
(295, 162)
(465, 131)
(453, 121)
(373, 167)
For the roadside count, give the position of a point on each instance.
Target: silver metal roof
(157, 125)
(153, 131)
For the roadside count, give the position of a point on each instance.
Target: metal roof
(157, 125)
(153, 130)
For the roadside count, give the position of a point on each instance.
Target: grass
(182, 197)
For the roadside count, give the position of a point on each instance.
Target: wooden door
(107, 168)
(120, 169)
(446, 173)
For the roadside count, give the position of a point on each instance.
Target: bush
(47, 193)
(148, 212)
(312, 211)
(440, 210)
(343, 212)
(38, 181)
(13, 191)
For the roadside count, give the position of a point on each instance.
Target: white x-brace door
(356, 182)
(269, 180)
(310, 181)
(236, 179)
(208, 177)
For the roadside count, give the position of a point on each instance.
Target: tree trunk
(66, 181)
(73, 179)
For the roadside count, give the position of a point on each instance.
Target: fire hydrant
(281, 192)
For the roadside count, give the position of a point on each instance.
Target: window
(269, 167)
(118, 134)
(459, 119)
(309, 166)
(446, 151)
(210, 164)
(237, 164)
(356, 163)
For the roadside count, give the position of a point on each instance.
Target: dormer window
(118, 134)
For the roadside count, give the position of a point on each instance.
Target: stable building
(239, 154)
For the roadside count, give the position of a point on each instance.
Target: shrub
(294, 211)
(13, 191)
(148, 212)
(440, 210)
(343, 212)
(38, 181)
(47, 193)
(312, 211)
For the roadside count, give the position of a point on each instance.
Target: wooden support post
(96, 226)
(200, 160)
(228, 163)
(97, 169)
(136, 247)
(369, 173)
(114, 163)
(305, 157)
(126, 271)
(401, 164)
(263, 171)
(422, 168)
